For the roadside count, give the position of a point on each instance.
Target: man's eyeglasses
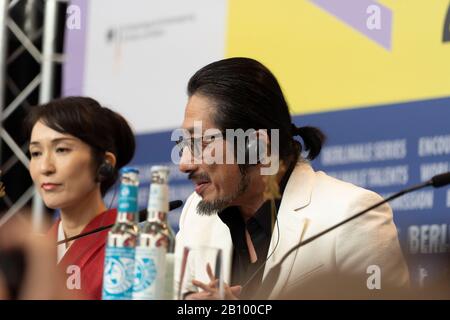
(196, 145)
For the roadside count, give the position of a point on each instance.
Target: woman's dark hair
(247, 96)
(99, 127)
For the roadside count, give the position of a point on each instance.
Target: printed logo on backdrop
(147, 29)
(375, 23)
(365, 16)
(428, 238)
(346, 35)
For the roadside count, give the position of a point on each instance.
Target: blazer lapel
(291, 224)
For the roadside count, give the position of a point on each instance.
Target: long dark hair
(99, 127)
(247, 96)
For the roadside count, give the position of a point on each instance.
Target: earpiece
(105, 171)
(253, 151)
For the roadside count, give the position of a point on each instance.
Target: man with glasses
(268, 198)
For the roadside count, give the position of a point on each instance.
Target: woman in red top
(77, 148)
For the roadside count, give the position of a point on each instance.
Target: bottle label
(149, 273)
(159, 198)
(118, 273)
(169, 278)
(128, 198)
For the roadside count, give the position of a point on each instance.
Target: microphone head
(440, 180)
(175, 204)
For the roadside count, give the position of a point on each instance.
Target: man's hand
(211, 290)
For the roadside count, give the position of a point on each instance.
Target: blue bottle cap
(129, 170)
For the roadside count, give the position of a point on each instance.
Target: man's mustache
(198, 176)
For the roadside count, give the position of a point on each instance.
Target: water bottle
(118, 273)
(156, 242)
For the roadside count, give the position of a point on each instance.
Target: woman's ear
(110, 158)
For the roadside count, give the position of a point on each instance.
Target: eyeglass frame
(195, 142)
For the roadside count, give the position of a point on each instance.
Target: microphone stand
(172, 206)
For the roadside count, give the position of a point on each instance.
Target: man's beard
(208, 208)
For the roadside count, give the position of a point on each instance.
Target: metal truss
(46, 57)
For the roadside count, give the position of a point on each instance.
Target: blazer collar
(297, 193)
(291, 227)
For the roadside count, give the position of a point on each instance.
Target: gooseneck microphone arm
(272, 276)
(142, 217)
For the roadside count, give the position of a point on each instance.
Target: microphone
(267, 285)
(440, 180)
(175, 204)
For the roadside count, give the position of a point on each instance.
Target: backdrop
(374, 75)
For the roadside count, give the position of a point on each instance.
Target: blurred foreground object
(28, 270)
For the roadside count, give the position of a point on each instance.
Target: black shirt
(260, 228)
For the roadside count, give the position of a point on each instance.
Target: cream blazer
(357, 260)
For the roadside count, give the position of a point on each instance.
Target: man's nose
(187, 161)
